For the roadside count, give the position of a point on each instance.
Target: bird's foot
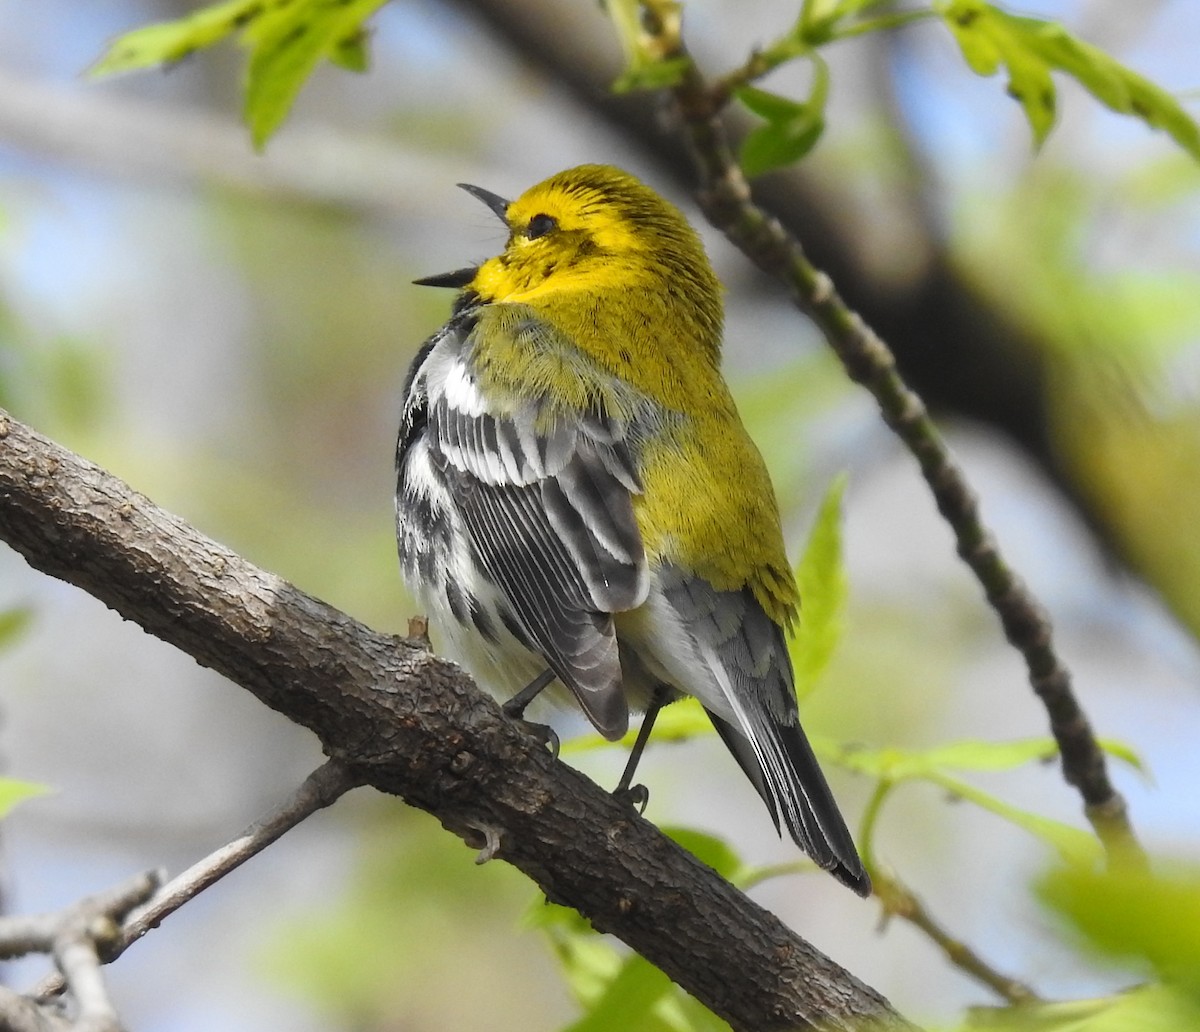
(515, 708)
(636, 796)
(545, 734)
(491, 842)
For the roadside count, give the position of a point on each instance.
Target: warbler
(578, 500)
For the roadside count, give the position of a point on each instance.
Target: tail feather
(795, 790)
(749, 696)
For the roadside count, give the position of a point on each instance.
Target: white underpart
(675, 655)
(452, 389)
(418, 474)
(503, 667)
(419, 481)
(672, 654)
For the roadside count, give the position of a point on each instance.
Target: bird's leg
(639, 795)
(515, 707)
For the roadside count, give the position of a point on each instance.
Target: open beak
(494, 201)
(462, 277)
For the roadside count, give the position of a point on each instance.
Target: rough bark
(412, 725)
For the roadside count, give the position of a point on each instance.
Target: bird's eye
(540, 225)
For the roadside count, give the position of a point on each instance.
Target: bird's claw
(545, 734)
(491, 842)
(636, 796)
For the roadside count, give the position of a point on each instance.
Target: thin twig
(321, 788)
(77, 936)
(897, 900)
(21, 1014)
(725, 198)
(900, 901)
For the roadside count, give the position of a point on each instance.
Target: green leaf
(1119, 88)
(823, 21)
(679, 722)
(13, 792)
(988, 39)
(709, 849)
(974, 754)
(887, 764)
(13, 623)
(1147, 1008)
(287, 42)
(821, 576)
(847, 8)
(541, 913)
(779, 144)
(626, 16)
(351, 53)
(628, 1000)
(792, 127)
(170, 42)
(652, 60)
(652, 75)
(768, 105)
(694, 1016)
(1072, 844)
(615, 990)
(628, 993)
(589, 965)
(1029, 49)
(1125, 752)
(893, 765)
(1135, 914)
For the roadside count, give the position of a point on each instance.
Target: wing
(755, 714)
(547, 500)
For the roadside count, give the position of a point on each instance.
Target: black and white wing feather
(546, 500)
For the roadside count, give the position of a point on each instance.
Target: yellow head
(597, 230)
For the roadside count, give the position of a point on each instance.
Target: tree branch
(20, 1014)
(410, 724)
(900, 901)
(77, 936)
(726, 200)
(323, 787)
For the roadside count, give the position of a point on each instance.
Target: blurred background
(229, 332)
